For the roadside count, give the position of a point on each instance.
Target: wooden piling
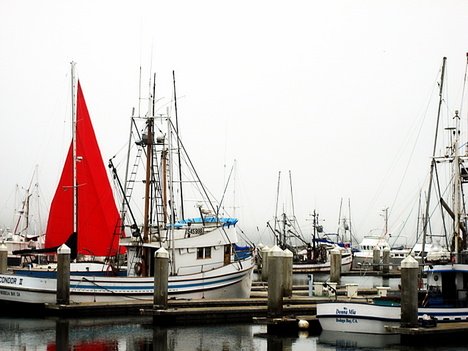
(264, 253)
(376, 258)
(3, 259)
(409, 292)
(63, 275)
(386, 260)
(275, 282)
(161, 276)
(335, 265)
(287, 259)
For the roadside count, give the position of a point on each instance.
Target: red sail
(98, 218)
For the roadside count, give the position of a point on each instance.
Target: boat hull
(346, 262)
(233, 280)
(374, 319)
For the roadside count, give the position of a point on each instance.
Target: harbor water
(139, 334)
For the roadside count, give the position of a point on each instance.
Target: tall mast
(74, 156)
(431, 175)
(277, 195)
(149, 168)
(178, 149)
(456, 185)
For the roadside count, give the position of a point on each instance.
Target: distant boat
(27, 230)
(203, 257)
(364, 254)
(310, 255)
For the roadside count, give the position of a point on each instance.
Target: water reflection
(355, 341)
(131, 333)
(139, 334)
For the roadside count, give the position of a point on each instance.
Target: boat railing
(190, 269)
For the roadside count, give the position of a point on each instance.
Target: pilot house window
(203, 252)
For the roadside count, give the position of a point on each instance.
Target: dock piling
(287, 272)
(275, 282)
(3, 259)
(63, 275)
(335, 265)
(161, 274)
(386, 260)
(409, 292)
(264, 254)
(376, 258)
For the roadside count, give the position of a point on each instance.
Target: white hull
(372, 319)
(233, 280)
(346, 262)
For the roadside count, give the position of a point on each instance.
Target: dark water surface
(137, 333)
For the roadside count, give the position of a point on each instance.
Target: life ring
(138, 268)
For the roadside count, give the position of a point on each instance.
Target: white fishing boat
(443, 298)
(363, 257)
(205, 261)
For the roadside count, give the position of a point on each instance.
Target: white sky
(335, 91)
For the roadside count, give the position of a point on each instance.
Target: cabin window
(203, 252)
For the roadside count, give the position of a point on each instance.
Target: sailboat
(444, 296)
(203, 259)
(27, 229)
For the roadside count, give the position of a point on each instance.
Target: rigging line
(433, 154)
(441, 209)
(400, 152)
(200, 182)
(225, 189)
(277, 196)
(464, 85)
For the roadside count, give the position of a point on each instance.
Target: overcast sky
(341, 93)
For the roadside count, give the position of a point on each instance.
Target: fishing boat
(310, 255)
(203, 254)
(315, 256)
(363, 256)
(443, 298)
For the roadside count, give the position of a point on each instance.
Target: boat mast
(74, 156)
(433, 162)
(149, 167)
(276, 206)
(456, 185)
(178, 149)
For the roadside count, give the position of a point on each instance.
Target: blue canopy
(226, 221)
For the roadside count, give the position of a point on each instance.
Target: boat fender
(138, 268)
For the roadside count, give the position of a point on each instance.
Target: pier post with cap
(161, 276)
(264, 253)
(386, 260)
(287, 272)
(63, 275)
(376, 258)
(275, 282)
(3, 259)
(409, 292)
(335, 265)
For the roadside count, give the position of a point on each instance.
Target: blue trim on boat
(99, 285)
